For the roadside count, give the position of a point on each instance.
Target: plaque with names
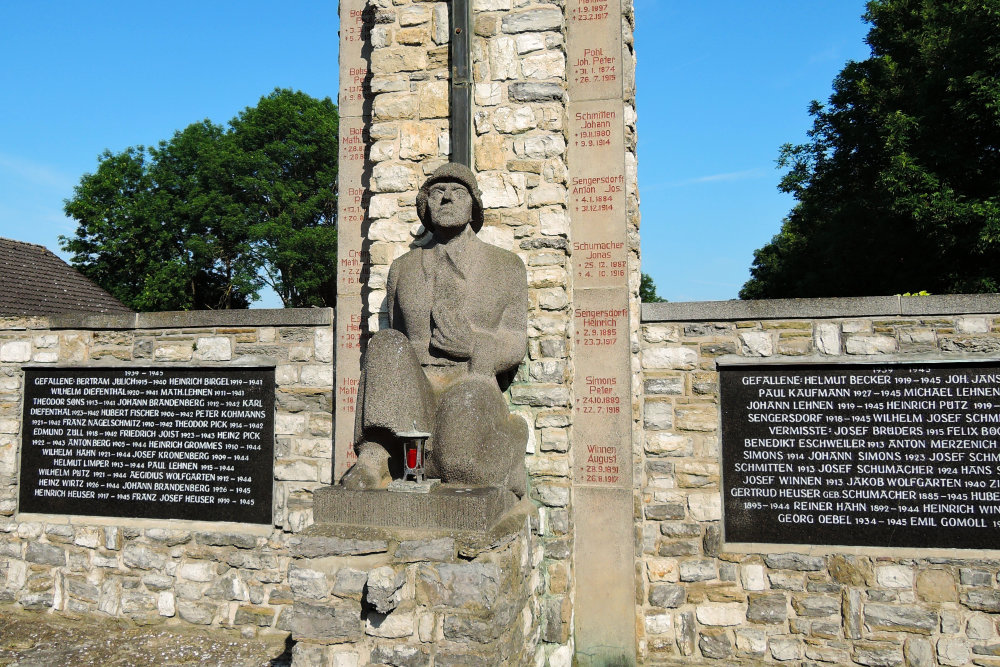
(602, 410)
(597, 194)
(881, 455)
(155, 443)
(594, 49)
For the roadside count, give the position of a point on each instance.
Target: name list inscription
(900, 455)
(152, 443)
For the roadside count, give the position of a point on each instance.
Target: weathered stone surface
(852, 612)
(470, 586)
(698, 570)
(686, 632)
(936, 586)
(199, 613)
(46, 554)
(877, 655)
(918, 652)
(399, 655)
(815, 606)
(442, 549)
(786, 648)
(314, 546)
(533, 20)
(392, 626)
(900, 618)
(953, 651)
(309, 584)
(715, 643)
(383, 588)
(771, 608)
(667, 595)
(337, 622)
(791, 561)
(982, 600)
(970, 576)
(523, 91)
(720, 614)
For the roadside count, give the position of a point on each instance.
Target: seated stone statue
(458, 330)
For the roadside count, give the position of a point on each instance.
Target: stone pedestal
(445, 507)
(415, 596)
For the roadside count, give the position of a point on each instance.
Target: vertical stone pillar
(352, 258)
(602, 263)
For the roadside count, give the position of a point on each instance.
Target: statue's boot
(371, 471)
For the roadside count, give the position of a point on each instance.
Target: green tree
(211, 215)
(647, 290)
(898, 187)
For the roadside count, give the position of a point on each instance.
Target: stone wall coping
(869, 306)
(260, 529)
(256, 317)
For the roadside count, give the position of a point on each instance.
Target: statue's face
(450, 206)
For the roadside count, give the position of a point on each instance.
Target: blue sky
(721, 85)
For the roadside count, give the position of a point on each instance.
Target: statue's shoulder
(498, 255)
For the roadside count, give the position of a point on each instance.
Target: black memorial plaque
(887, 455)
(155, 443)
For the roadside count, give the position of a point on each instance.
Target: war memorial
(492, 453)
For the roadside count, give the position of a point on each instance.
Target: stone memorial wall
(815, 484)
(554, 154)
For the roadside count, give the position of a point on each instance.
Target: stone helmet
(458, 173)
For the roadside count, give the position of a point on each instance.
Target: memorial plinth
(446, 507)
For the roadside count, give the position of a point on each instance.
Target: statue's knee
(386, 340)
(475, 390)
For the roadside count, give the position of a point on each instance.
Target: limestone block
(393, 177)
(339, 622)
(674, 358)
(667, 444)
(502, 189)
(213, 348)
(433, 99)
(552, 298)
(307, 583)
(753, 577)
(503, 58)
(794, 561)
(531, 91)
(548, 65)
(752, 641)
(784, 649)
(417, 140)
(658, 415)
(487, 94)
(529, 42)
(490, 152)
(413, 15)
(534, 20)
(970, 325)
(705, 506)
(399, 59)
(770, 608)
(686, 632)
(715, 643)
(874, 344)
(894, 576)
(389, 626)
(546, 194)
(179, 351)
(553, 221)
(658, 624)
(491, 5)
(668, 596)
(662, 569)
(953, 651)
(384, 589)
(440, 16)
(513, 120)
(698, 570)
(197, 571)
(15, 351)
(900, 618)
(697, 417)
(395, 106)
(757, 343)
(918, 652)
(540, 147)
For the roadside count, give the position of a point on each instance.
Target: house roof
(33, 281)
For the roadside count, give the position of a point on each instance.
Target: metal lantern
(413, 453)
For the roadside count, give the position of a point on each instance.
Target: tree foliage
(898, 187)
(647, 290)
(209, 216)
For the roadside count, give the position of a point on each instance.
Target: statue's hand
(452, 334)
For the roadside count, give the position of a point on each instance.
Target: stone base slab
(446, 507)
